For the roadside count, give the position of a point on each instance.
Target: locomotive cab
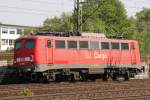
(25, 51)
(33, 52)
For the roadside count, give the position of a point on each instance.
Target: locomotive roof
(72, 38)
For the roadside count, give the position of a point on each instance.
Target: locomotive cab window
(60, 43)
(30, 43)
(124, 46)
(48, 43)
(94, 45)
(18, 45)
(115, 46)
(72, 44)
(83, 44)
(105, 46)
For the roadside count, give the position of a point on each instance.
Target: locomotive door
(133, 53)
(49, 52)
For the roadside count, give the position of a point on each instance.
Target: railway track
(129, 94)
(62, 84)
(80, 90)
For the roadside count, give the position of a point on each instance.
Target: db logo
(100, 56)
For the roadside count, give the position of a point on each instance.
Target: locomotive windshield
(18, 45)
(30, 43)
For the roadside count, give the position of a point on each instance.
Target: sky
(34, 12)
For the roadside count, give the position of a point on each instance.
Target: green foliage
(62, 24)
(25, 92)
(52, 24)
(67, 23)
(30, 30)
(143, 20)
(112, 12)
(94, 26)
(110, 15)
(142, 33)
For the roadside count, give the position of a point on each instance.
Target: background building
(8, 35)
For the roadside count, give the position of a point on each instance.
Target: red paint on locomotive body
(42, 50)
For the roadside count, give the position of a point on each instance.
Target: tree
(67, 23)
(142, 33)
(56, 24)
(110, 13)
(94, 26)
(91, 21)
(52, 24)
(143, 20)
(30, 30)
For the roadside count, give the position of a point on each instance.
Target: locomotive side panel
(47, 51)
(122, 55)
(136, 52)
(41, 52)
(125, 54)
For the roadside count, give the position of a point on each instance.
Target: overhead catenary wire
(28, 13)
(48, 2)
(28, 9)
(49, 11)
(34, 11)
(41, 11)
(146, 1)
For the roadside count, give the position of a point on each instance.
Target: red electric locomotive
(41, 57)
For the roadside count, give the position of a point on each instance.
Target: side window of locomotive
(72, 44)
(83, 44)
(115, 46)
(30, 43)
(18, 45)
(105, 46)
(94, 45)
(124, 46)
(48, 44)
(60, 43)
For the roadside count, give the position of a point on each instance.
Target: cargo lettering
(100, 56)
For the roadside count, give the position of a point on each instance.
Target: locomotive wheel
(58, 78)
(38, 78)
(114, 78)
(126, 76)
(72, 78)
(123, 77)
(92, 77)
(33, 77)
(83, 76)
(105, 77)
